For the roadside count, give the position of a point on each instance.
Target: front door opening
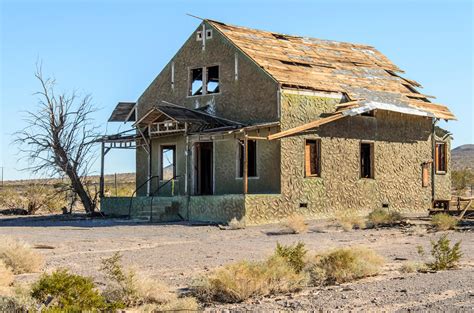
(203, 168)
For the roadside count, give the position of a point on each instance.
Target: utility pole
(2, 177)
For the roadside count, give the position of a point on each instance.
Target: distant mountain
(463, 157)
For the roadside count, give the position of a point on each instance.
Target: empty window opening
(212, 81)
(208, 33)
(367, 160)
(368, 113)
(199, 35)
(303, 205)
(168, 162)
(252, 158)
(313, 158)
(440, 157)
(196, 82)
(295, 63)
(280, 36)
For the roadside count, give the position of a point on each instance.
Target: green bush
(68, 292)
(384, 217)
(443, 221)
(344, 265)
(293, 254)
(445, 257)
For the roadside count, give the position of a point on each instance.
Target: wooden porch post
(246, 165)
(101, 182)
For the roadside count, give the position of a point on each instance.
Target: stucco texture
(401, 144)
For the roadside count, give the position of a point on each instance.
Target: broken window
(212, 81)
(440, 157)
(252, 158)
(312, 158)
(208, 33)
(367, 160)
(168, 162)
(196, 82)
(199, 35)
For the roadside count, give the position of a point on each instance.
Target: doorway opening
(203, 166)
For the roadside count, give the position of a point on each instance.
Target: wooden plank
(307, 159)
(307, 126)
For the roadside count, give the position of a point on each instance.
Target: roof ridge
(288, 35)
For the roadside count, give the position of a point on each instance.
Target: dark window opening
(440, 157)
(366, 160)
(280, 36)
(212, 84)
(295, 63)
(312, 158)
(196, 82)
(168, 162)
(252, 158)
(368, 113)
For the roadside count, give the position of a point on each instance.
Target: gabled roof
(359, 71)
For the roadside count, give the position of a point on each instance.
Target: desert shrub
(239, 281)
(32, 198)
(19, 256)
(349, 221)
(384, 217)
(6, 275)
(443, 221)
(67, 292)
(296, 224)
(343, 265)
(411, 267)
(445, 257)
(178, 304)
(293, 254)
(127, 288)
(235, 224)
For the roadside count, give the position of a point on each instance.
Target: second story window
(204, 81)
(196, 82)
(212, 81)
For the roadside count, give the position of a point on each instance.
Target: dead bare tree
(57, 140)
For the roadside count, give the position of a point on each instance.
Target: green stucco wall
(401, 144)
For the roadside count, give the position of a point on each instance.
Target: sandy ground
(176, 253)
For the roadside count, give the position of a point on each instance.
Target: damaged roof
(359, 71)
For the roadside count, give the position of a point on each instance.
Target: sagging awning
(123, 112)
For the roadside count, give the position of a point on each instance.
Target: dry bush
(443, 221)
(19, 256)
(235, 224)
(349, 221)
(33, 198)
(411, 267)
(239, 281)
(6, 275)
(125, 287)
(344, 265)
(380, 217)
(296, 224)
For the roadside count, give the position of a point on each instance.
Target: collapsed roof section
(123, 112)
(167, 114)
(358, 71)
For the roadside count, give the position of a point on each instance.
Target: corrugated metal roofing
(359, 71)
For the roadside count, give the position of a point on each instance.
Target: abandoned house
(250, 123)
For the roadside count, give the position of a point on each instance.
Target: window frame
(162, 148)
(436, 157)
(318, 158)
(240, 160)
(372, 159)
(204, 80)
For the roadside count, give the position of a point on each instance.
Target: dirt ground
(177, 253)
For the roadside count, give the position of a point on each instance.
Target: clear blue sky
(114, 49)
